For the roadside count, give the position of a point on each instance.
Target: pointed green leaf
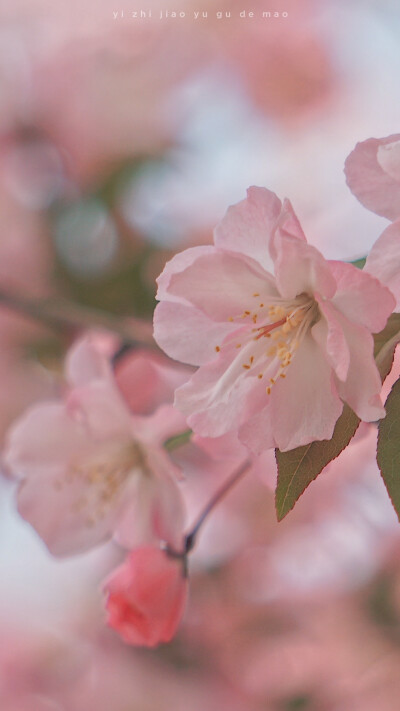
(388, 452)
(359, 263)
(299, 467)
(385, 345)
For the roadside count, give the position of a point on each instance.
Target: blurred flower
(91, 468)
(146, 597)
(316, 317)
(373, 175)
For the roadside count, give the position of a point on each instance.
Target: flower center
(284, 323)
(98, 478)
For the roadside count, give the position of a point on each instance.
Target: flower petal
(301, 408)
(371, 176)
(301, 269)
(45, 436)
(101, 410)
(330, 337)
(217, 397)
(187, 334)
(65, 512)
(361, 297)
(147, 380)
(176, 265)
(223, 285)
(361, 390)
(383, 261)
(247, 226)
(89, 358)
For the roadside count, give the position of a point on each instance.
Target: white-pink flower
(373, 175)
(282, 336)
(93, 466)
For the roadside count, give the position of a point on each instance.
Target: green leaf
(385, 345)
(359, 263)
(178, 440)
(299, 467)
(388, 452)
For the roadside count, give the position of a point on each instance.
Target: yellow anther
(217, 348)
(256, 294)
(260, 375)
(261, 306)
(247, 367)
(238, 345)
(271, 351)
(282, 375)
(254, 317)
(252, 359)
(230, 318)
(268, 391)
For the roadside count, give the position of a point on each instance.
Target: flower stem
(190, 538)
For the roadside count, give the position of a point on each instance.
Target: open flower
(373, 176)
(91, 468)
(281, 335)
(146, 597)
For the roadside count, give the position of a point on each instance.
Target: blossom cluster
(271, 346)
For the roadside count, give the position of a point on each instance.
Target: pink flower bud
(146, 597)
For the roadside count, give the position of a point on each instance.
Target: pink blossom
(282, 336)
(373, 175)
(90, 468)
(383, 261)
(146, 597)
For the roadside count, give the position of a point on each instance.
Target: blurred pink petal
(146, 597)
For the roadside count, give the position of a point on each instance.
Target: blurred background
(123, 140)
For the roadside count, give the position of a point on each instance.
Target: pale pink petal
(301, 408)
(45, 436)
(247, 226)
(383, 261)
(329, 334)
(361, 297)
(89, 358)
(65, 511)
(219, 396)
(154, 429)
(389, 158)
(301, 269)
(225, 447)
(287, 224)
(187, 334)
(99, 407)
(176, 265)
(361, 390)
(372, 177)
(154, 508)
(147, 380)
(223, 285)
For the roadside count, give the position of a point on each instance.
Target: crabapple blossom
(90, 467)
(282, 336)
(146, 597)
(373, 175)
